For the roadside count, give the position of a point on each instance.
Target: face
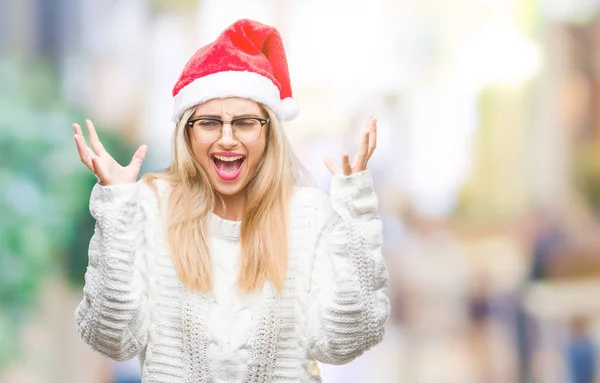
(229, 163)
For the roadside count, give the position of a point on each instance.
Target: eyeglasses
(209, 129)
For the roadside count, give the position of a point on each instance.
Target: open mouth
(228, 167)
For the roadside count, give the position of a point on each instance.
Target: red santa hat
(247, 60)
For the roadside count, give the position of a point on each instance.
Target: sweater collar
(223, 227)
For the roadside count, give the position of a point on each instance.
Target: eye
(246, 122)
(208, 124)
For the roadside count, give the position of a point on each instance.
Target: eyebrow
(207, 115)
(218, 116)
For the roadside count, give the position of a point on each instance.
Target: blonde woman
(227, 267)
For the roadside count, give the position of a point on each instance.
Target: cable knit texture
(332, 308)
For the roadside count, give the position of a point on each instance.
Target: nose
(227, 139)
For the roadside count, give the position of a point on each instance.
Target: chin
(228, 190)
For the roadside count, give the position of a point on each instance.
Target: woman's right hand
(107, 170)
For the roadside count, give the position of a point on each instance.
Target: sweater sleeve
(349, 279)
(112, 316)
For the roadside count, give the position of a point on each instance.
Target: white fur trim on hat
(230, 84)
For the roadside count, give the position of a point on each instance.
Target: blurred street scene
(487, 168)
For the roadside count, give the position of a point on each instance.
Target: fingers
(333, 167)
(138, 157)
(77, 129)
(361, 156)
(94, 140)
(347, 168)
(84, 151)
(99, 171)
(372, 139)
(367, 146)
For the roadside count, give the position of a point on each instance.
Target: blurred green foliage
(45, 225)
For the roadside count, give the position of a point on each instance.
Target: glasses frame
(262, 121)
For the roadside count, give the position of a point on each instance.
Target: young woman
(227, 267)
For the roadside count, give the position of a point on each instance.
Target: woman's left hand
(359, 164)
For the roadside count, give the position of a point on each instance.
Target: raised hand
(359, 164)
(107, 170)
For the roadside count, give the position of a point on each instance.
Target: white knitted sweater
(333, 306)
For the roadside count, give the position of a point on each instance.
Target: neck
(232, 208)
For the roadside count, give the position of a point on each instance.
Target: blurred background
(487, 168)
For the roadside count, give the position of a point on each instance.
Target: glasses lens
(207, 130)
(247, 129)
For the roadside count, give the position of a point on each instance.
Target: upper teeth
(223, 158)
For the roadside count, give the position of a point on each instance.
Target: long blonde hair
(265, 224)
